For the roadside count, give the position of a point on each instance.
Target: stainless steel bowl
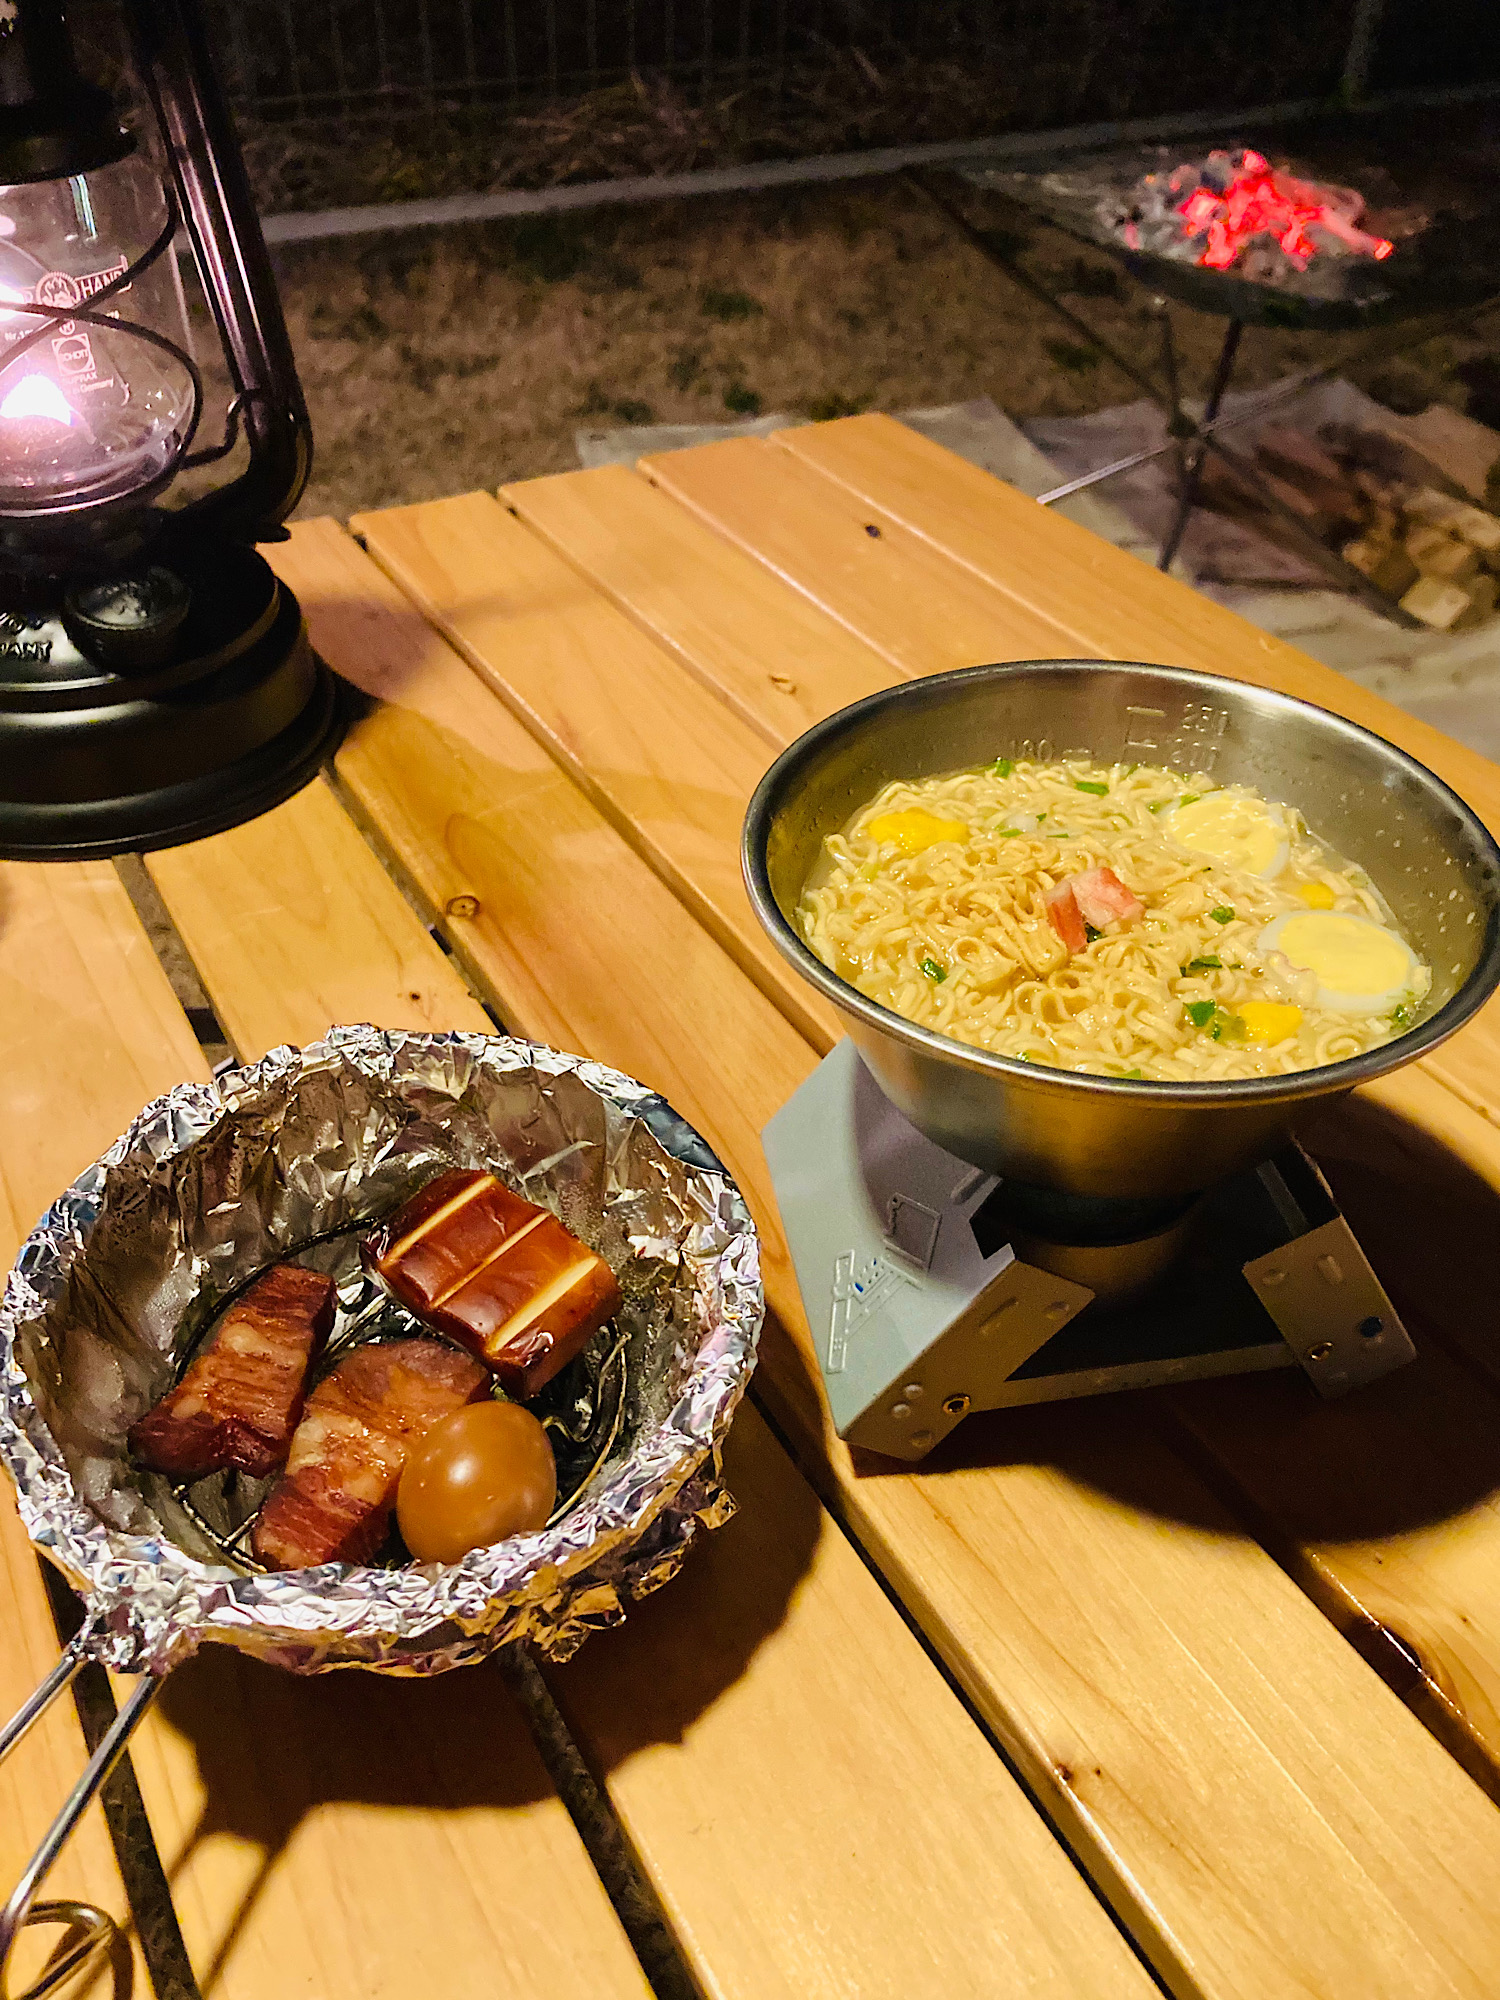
(1104, 1136)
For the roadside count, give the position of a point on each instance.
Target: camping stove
(934, 1289)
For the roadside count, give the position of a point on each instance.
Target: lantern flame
(38, 396)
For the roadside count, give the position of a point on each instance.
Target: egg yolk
(915, 829)
(1240, 833)
(1269, 1020)
(1352, 959)
(1316, 895)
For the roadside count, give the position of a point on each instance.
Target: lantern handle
(97, 1929)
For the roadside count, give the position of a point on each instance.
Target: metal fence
(351, 58)
(293, 58)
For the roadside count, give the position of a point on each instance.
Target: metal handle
(98, 1927)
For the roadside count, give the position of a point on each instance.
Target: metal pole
(1192, 464)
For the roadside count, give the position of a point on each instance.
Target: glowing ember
(37, 396)
(1258, 201)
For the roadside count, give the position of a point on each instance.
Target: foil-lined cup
(295, 1156)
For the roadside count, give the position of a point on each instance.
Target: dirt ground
(437, 361)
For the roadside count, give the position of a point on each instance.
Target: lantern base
(232, 714)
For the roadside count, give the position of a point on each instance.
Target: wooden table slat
(671, 778)
(1247, 1791)
(702, 598)
(91, 1032)
(358, 1837)
(293, 926)
(817, 536)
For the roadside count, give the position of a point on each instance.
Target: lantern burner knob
(128, 623)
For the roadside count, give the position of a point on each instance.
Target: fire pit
(1237, 211)
(1227, 230)
(1273, 243)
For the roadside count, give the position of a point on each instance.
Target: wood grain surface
(673, 779)
(1266, 1815)
(90, 1033)
(867, 572)
(705, 600)
(294, 926)
(354, 1835)
(819, 1815)
(714, 1708)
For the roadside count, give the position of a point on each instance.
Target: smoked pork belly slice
(240, 1400)
(496, 1273)
(334, 1502)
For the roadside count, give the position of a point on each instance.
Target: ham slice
(241, 1397)
(1065, 916)
(1095, 898)
(495, 1273)
(335, 1500)
(1104, 899)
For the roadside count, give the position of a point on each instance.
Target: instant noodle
(1125, 920)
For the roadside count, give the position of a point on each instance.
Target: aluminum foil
(293, 1156)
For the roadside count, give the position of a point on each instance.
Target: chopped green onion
(1007, 833)
(1200, 1012)
(1208, 963)
(1227, 1027)
(935, 972)
(1091, 934)
(1040, 817)
(1088, 785)
(1401, 1016)
(1222, 915)
(1130, 770)
(1130, 1074)
(1190, 798)
(1160, 806)
(1002, 767)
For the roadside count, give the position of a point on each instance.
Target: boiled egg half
(1238, 832)
(1361, 967)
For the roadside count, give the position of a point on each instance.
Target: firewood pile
(1407, 528)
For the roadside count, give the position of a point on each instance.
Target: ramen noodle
(1119, 919)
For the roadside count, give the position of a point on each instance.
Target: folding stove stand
(1243, 302)
(921, 1310)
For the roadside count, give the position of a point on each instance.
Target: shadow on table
(1410, 1452)
(685, 1645)
(274, 1748)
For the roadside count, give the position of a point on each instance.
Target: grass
(727, 306)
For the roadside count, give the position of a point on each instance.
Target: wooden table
(1198, 1687)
